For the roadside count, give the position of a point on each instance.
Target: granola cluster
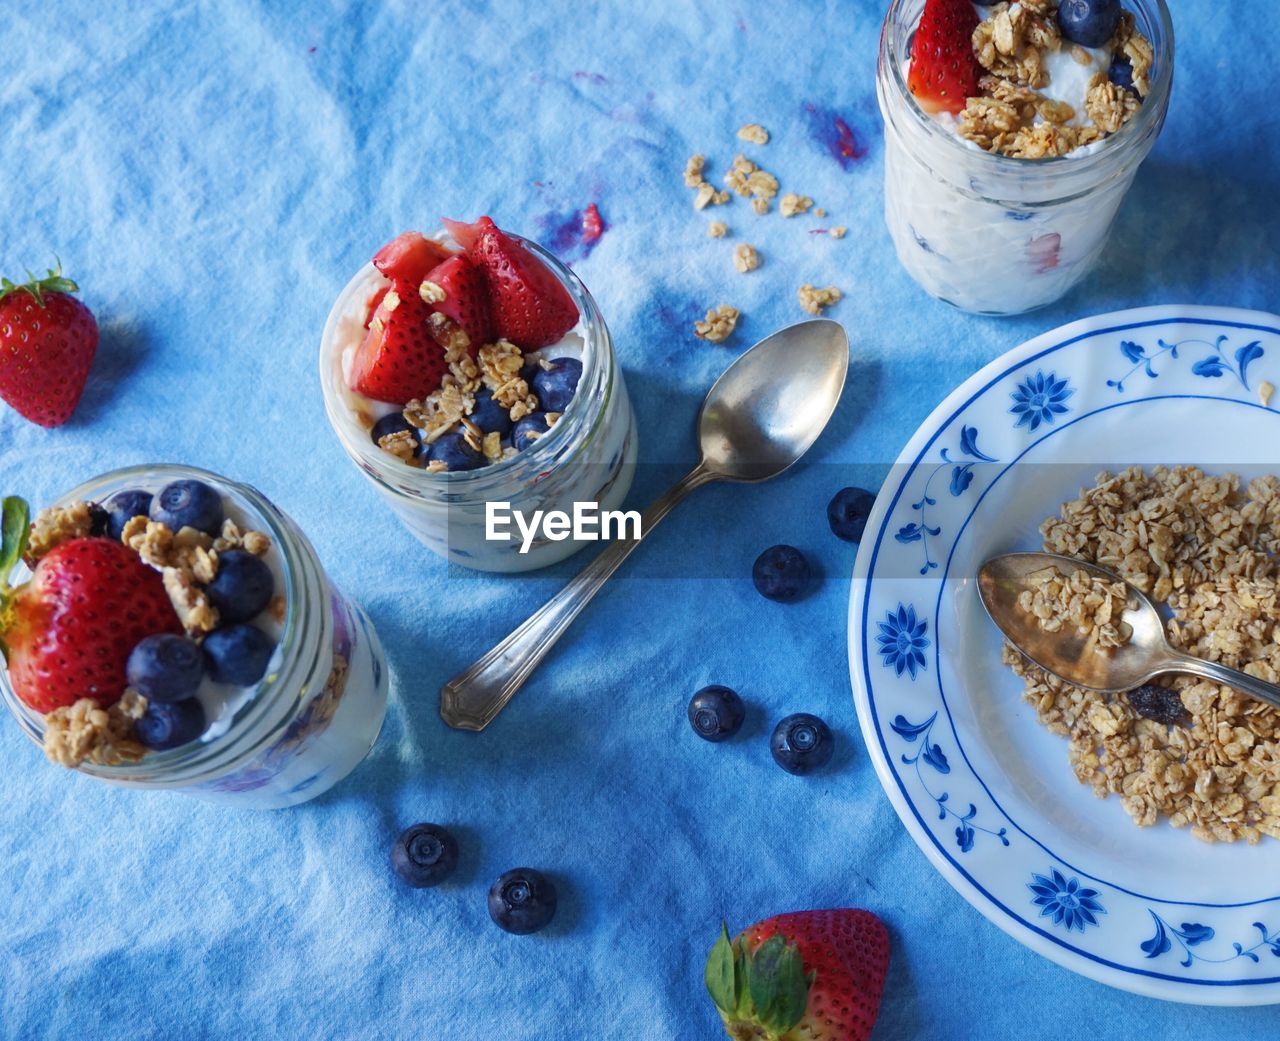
(1207, 546)
(815, 300)
(719, 324)
(747, 179)
(1012, 118)
(55, 525)
(88, 733)
(1091, 604)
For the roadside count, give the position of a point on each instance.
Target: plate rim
(912, 454)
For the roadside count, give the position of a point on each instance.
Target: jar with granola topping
(587, 456)
(303, 726)
(1002, 226)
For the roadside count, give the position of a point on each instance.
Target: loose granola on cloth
(1205, 545)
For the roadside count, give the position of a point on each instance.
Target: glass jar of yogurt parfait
(587, 456)
(315, 712)
(991, 233)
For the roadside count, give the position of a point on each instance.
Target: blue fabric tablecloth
(212, 173)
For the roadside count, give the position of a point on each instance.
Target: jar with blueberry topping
(995, 234)
(314, 704)
(587, 456)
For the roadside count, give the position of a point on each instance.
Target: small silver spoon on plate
(761, 415)
(1069, 655)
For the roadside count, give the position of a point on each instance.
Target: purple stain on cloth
(574, 236)
(833, 132)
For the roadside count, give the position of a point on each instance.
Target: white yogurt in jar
(989, 233)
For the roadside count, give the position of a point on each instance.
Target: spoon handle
(472, 699)
(1234, 678)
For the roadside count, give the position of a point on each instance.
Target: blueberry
(716, 713)
(168, 724)
(781, 573)
(238, 654)
(392, 423)
(848, 511)
(123, 507)
(455, 453)
(188, 504)
(801, 744)
(556, 382)
(1121, 74)
(243, 586)
(488, 415)
(522, 901)
(424, 855)
(165, 668)
(1090, 23)
(528, 430)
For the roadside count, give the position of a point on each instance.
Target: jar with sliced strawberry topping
(473, 368)
(167, 628)
(1013, 132)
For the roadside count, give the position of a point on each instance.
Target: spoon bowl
(770, 405)
(1072, 656)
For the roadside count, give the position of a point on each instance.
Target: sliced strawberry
(944, 69)
(531, 308)
(408, 257)
(467, 235)
(374, 303)
(466, 298)
(398, 360)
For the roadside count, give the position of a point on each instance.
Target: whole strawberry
(47, 343)
(68, 632)
(804, 976)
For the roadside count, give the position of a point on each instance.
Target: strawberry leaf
(779, 987)
(723, 982)
(15, 526)
(53, 282)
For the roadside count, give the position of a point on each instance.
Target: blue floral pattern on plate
(1065, 900)
(902, 640)
(1210, 366)
(929, 752)
(961, 478)
(1040, 399)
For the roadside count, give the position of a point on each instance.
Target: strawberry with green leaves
(47, 343)
(67, 633)
(804, 976)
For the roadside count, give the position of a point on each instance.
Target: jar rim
(260, 707)
(1159, 19)
(397, 476)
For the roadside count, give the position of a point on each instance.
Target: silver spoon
(760, 417)
(1068, 654)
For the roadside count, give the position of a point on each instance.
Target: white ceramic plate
(986, 791)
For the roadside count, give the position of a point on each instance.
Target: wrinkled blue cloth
(212, 173)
